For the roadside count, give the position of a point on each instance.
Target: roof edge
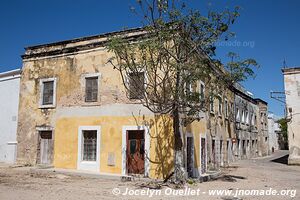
(85, 38)
(10, 73)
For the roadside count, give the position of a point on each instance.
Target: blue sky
(268, 31)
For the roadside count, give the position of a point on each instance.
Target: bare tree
(163, 67)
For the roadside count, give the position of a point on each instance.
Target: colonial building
(292, 93)
(246, 126)
(75, 113)
(9, 104)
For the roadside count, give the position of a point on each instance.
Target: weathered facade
(9, 104)
(246, 126)
(220, 130)
(81, 117)
(292, 93)
(54, 132)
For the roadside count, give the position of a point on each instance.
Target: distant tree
(162, 69)
(283, 137)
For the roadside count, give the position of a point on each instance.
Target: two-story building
(75, 113)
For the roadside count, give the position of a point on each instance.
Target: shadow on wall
(163, 140)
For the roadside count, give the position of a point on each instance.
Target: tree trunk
(179, 171)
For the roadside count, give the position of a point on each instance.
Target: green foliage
(283, 126)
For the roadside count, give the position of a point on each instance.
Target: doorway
(203, 155)
(190, 156)
(45, 148)
(135, 153)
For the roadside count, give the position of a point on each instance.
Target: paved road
(259, 175)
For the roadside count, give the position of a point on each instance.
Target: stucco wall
(112, 111)
(273, 127)
(9, 101)
(292, 91)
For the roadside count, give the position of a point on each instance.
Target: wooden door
(135, 152)
(190, 156)
(46, 147)
(213, 150)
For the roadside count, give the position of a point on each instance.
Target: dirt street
(264, 175)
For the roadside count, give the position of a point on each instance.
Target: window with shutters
(136, 85)
(48, 90)
(202, 91)
(48, 93)
(91, 89)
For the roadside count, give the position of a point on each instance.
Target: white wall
(273, 127)
(9, 103)
(292, 91)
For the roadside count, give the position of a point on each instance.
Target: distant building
(292, 92)
(9, 102)
(274, 130)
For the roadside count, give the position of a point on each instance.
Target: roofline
(12, 73)
(80, 39)
(291, 70)
(260, 100)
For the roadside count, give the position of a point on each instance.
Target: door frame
(88, 165)
(203, 136)
(124, 147)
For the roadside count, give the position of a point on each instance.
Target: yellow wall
(161, 142)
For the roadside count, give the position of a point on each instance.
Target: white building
(292, 93)
(274, 128)
(9, 106)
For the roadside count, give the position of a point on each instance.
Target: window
(211, 105)
(201, 90)
(91, 89)
(220, 105)
(226, 108)
(136, 85)
(243, 116)
(47, 92)
(89, 145)
(246, 117)
(237, 117)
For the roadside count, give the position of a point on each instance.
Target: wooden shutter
(91, 89)
(48, 92)
(136, 85)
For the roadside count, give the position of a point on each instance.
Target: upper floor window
(237, 117)
(201, 90)
(226, 107)
(48, 92)
(246, 117)
(91, 89)
(136, 85)
(211, 104)
(243, 116)
(220, 106)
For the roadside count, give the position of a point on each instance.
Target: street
(264, 174)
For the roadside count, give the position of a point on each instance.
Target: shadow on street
(281, 160)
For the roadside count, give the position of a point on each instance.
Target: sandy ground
(256, 174)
